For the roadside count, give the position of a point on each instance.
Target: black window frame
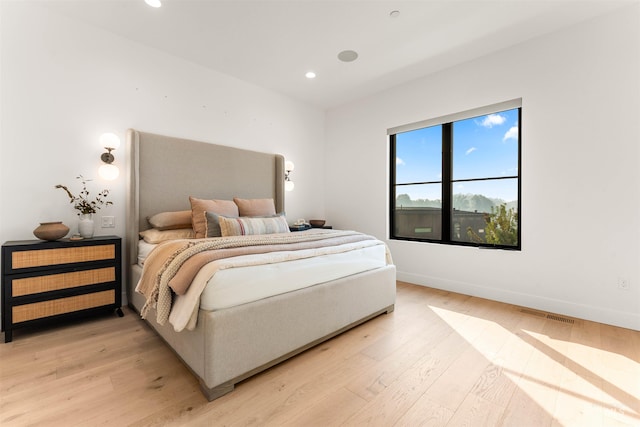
(447, 181)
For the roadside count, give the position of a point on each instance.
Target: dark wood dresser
(45, 281)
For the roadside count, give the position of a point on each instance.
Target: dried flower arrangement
(82, 203)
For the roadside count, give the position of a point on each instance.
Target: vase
(51, 230)
(85, 226)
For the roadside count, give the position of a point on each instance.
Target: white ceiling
(273, 43)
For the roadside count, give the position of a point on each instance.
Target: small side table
(45, 281)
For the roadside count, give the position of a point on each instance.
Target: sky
(483, 147)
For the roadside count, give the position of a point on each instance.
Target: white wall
(580, 176)
(64, 83)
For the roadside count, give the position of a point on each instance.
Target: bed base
(231, 345)
(229, 386)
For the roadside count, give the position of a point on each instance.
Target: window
(456, 179)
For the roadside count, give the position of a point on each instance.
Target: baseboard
(568, 308)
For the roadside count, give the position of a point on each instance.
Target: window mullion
(447, 159)
(392, 188)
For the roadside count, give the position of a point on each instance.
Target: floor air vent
(546, 315)
(560, 318)
(533, 312)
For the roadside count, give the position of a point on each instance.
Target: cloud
(493, 120)
(511, 134)
(399, 161)
(470, 150)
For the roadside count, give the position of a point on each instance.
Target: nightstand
(46, 281)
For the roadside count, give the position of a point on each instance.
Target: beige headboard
(165, 171)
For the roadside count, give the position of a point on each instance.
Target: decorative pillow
(153, 235)
(212, 225)
(200, 206)
(245, 226)
(255, 207)
(170, 220)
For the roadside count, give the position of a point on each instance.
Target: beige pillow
(170, 220)
(153, 235)
(245, 226)
(255, 207)
(200, 206)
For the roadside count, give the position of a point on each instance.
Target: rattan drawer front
(55, 282)
(37, 310)
(51, 257)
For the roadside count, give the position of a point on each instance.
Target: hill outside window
(456, 179)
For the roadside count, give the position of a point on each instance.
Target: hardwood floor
(440, 359)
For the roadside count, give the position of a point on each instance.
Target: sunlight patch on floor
(577, 383)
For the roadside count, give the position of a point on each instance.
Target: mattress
(240, 285)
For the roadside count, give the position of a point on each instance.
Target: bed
(227, 344)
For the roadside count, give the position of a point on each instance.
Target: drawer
(56, 282)
(57, 256)
(37, 310)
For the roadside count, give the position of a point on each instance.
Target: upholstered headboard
(165, 171)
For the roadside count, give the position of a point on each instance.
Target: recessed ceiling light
(310, 75)
(348, 56)
(394, 13)
(153, 3)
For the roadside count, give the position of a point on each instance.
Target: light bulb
(288, 165)
(108, 172)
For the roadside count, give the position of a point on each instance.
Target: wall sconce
(288, 167)
(110, 142)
